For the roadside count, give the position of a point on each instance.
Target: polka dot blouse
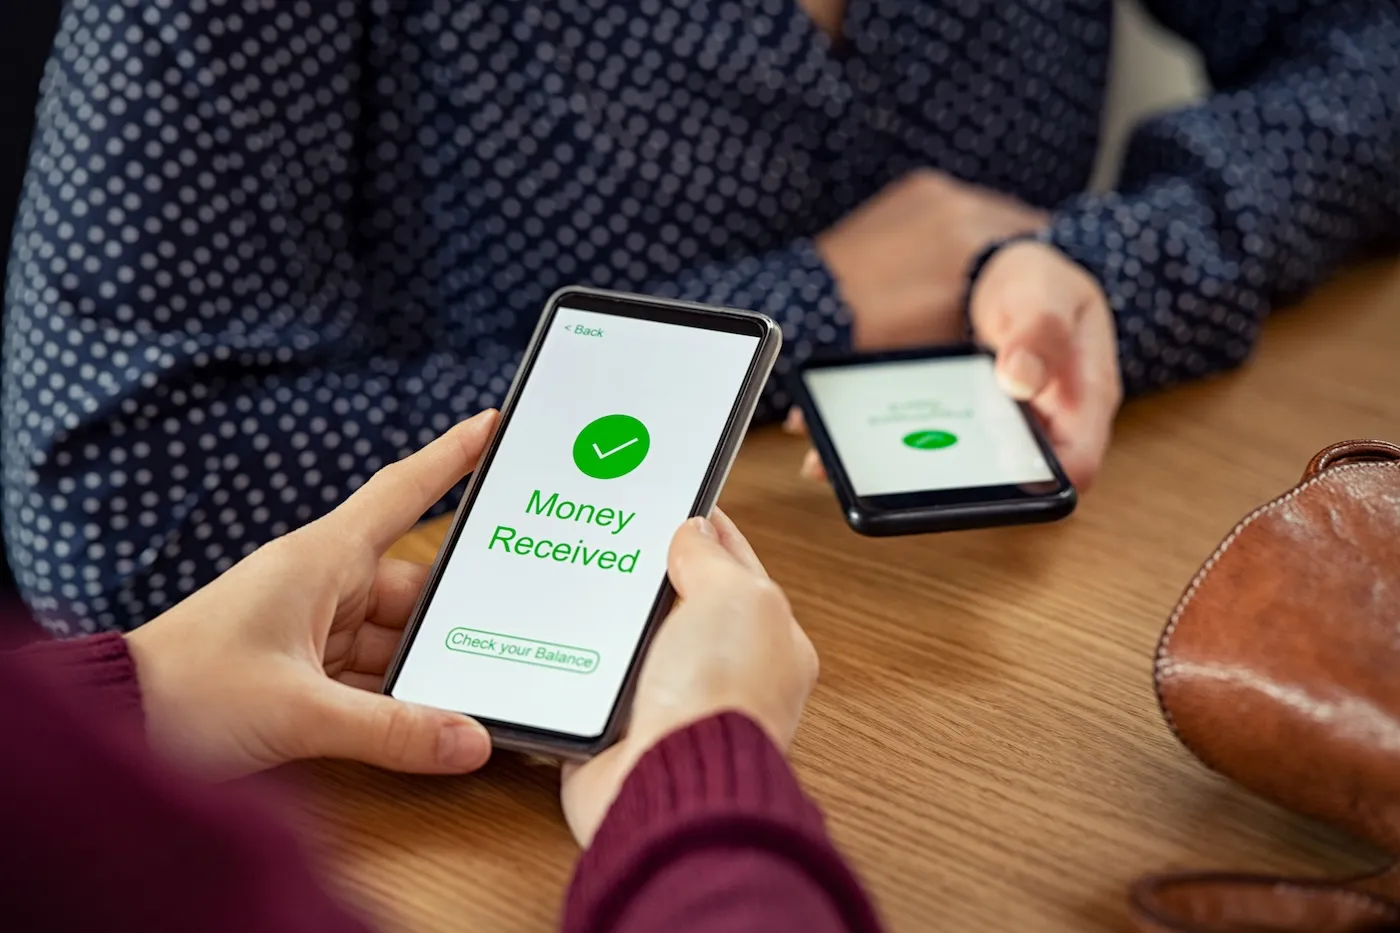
(268, 246)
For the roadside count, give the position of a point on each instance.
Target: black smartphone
(926, 440)
(623, 421)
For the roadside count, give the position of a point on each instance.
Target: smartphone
(925, 440)
(623, 421)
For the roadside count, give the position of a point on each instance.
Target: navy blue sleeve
(1230, 208)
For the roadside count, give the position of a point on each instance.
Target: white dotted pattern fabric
(268, 246)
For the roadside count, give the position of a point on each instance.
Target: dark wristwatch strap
(979, 263)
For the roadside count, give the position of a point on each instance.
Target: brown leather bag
(1280, 669)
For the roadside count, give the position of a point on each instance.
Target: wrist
(718, 759)
(652, 731)
(156, 669)
(591, 791)
(979, 265)
(145, 666)
(719, 780)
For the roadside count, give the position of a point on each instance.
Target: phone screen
(539, 609)
(905, 426)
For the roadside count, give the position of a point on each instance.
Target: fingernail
(705, 526)
(1022, 375)
(812, 465)
(793, 423)
(463, 746)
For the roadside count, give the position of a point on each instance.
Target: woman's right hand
(731, 644)
(902, 261)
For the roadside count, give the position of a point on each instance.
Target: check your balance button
(523, 650)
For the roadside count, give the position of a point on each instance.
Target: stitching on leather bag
(1144, 894)
(1160, 663)
(1358, 898)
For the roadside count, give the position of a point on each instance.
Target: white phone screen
(545, 597)
(922, 425)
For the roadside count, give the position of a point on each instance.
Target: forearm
(712, 834)
(111, 839)
(1231, 208)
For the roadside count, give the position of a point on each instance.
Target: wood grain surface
(984, 739)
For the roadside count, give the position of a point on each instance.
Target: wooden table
(985, 738)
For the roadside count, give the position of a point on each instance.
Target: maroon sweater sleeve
(102, 837)
(712, 834)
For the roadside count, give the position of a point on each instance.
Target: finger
(372, 649)
(735, 543)
(371, 682)
(698, 560)
(1025, 307)
(812, 466)
(1082, 429)
(389, 733)
(397, 585)
(795, 423)
(396, 497)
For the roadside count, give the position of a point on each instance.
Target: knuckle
(397, 731)
(386, 476)
(767, 597)
(1059, 327)
(811, 661)
(928, 180)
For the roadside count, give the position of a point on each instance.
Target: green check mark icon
(611, 446)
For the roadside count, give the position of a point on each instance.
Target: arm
(1228, 209)
(113, 841)
(712, 834)
(693, 822)
(268, 664)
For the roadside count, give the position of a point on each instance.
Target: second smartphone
(623, 422)
(926, 440)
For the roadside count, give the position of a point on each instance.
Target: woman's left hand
(281, 657)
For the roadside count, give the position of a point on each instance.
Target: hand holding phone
(926, 440)
(623, 421)
(693, 669)
(280, 657)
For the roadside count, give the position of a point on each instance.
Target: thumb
(698, 559)
(1024, 307)
(380, 730)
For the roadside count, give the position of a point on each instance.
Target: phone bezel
(932, 509)
(519, 737)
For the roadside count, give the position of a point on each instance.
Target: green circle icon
(930, 440)
(611, 446)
